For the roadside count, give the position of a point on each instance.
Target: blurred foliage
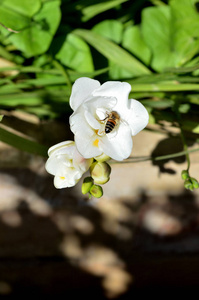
(153, 45)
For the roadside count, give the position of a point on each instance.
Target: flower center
(99, 132)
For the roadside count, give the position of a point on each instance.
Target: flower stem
(185, 148)
(64, 72)
(178, 115)
(162, 157)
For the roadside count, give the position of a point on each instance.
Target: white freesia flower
(92, 104)
(66, 164)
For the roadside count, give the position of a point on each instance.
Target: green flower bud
(86, 185)
(185, 174)
(194, 183)
(100, 172)
(96, 191)
(188, 184)
(103, 157)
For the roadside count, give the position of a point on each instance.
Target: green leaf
(193, 98)
(76, 54)
(190, 126)
(95, 9)
(12, 19)
(158, 104)
(171, 34)
(113, 30)
(185, 24)
(23, 7)
(21, 143)
(110, 29)
(183, 69)
(155, 28)
(163, 87)
(113, 52)
(36, 32)
(185, 15)
(184, 108)
(134, 42)
(117, 73)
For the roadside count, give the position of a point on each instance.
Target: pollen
(62, 177)
(96, 142)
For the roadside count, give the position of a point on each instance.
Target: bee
(113, 119)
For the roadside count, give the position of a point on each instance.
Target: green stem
(185, 148)
(182, 136)
(64, 72)
(148, 158)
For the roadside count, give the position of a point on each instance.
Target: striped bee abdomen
(110, 124)
(112, 120)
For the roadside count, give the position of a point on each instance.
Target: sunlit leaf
(134, 42)
(23, 7)
(12, 19)
(95, 9)
(185, 28)
(110, 29)
(192, 126)
(36, 33)
(76, 54)
(166, 87)
(171, 33)
(113, 52)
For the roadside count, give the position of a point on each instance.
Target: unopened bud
(185, 174)
(100, 172)
(96, 191)
(188, 184)
(86, 185)
(194, 183)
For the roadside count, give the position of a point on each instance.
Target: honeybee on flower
(93, 103)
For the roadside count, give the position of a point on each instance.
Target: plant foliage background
(153, 45)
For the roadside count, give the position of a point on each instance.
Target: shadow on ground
(51, 243)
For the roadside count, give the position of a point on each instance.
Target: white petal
(80, 163)
(120, 146)
(79, 125)
(92, 108)
(81, 90)
(51, 166)
(137, 116)
(116, 89)
(67, 179)
(56, 164)
(63, 148)
(91, 120)
(106, 103)
(87, 146)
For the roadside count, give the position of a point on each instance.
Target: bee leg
(101, 133)
(107, 116)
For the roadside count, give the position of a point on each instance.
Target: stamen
(96, 142)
